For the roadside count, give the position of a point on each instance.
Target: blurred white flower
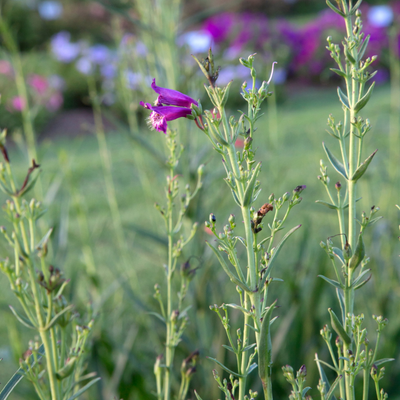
(380, 16)
(84, 65)
(198, 41)
(63, 49)
(50, 10)
(133, 80)
(56, 82)
(279, 77)
(141, 49)
(226, 75)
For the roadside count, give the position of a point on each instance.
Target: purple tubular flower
(162, 114)
(170, 97)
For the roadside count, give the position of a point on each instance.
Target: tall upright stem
(353, 159)
(169, 356)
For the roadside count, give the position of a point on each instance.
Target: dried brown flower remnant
(261, 213)
(265, 208)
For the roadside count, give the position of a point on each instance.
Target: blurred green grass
(74, 165)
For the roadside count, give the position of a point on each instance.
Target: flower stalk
(354, 354)
(171, 102)
(253, 339)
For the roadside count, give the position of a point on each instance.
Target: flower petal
(172, 97)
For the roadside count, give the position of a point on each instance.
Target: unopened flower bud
(271, 198)
(338, 186)
(286, 196)
(174, 315)
(200, 170)
(212, 218)
(247, 142)
(302, 371)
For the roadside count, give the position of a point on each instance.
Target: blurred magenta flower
(160, 115)
(170, 97)
(5, 67)
(39, 83)
(18, 103)
(219, 26)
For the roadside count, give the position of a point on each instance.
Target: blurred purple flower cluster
(99, 59)
(299, 49)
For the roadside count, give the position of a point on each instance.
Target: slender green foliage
(39, 289)
(354, 353)
(252, 278)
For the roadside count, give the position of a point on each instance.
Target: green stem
(245, 355)
(169, 350)
(365, 384)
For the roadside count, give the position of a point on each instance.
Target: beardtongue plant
(251, 343)
(171, 105)
(54, 362)
(354, 354)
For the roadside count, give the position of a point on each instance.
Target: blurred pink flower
(239, 143)
(39, 83)
(55, 102)
(5, 67)
(18, 103)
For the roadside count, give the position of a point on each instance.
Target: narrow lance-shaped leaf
(363, 47)
(215, 135)
(364, 100)
(19, 374)
(275, 255)
(232, 277)
(252, 368)
(229, 348)
(323, 375)
(229, 371)
(383, 360)
(330, 395)
(349, 56)
(265, 348)
(355, 8)
(86, 387)
(248, 195)
(339, 72)
(363, 167)
(24, 321)
(340, 297)
(57, 316)
(335, 162)
(336, 10)
(338, 253)
(197, 396)
(360, 277)
(338, 327)
(360, 285)
(359, 253)
(331, 282)
(326, 204)
(343, 98)
(237, 201)
(45, 239)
